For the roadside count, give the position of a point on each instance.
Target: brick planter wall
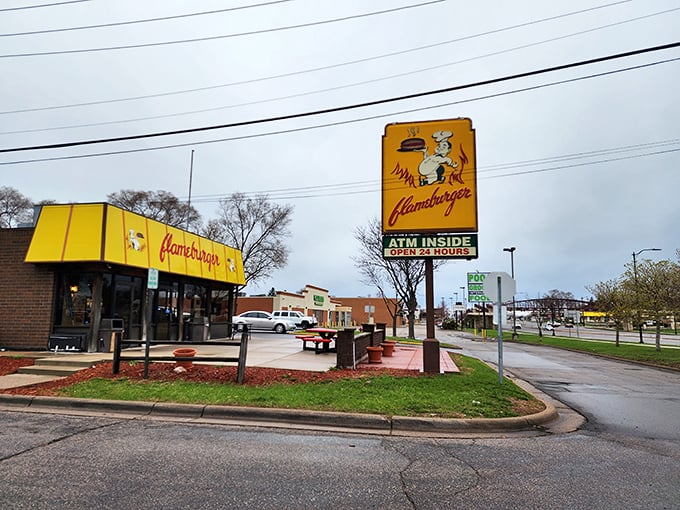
(26, 294)
(352, 349)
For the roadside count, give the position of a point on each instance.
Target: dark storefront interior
(123, 297)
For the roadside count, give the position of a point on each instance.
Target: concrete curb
(279, 418)
(518, 423)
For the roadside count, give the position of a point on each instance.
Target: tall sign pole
(430, 344)
(429, 202)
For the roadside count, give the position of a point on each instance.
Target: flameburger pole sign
(429, 186)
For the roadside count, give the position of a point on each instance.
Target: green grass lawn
(645, 353)
(473, 393)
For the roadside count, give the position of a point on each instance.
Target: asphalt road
(616, 397)
(626, 456)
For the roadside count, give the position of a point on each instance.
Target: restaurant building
(83, 272)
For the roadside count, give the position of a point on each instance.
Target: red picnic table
(322, 342)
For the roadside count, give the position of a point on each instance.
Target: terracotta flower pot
(184, 352)
(388, 349)
(374, 354)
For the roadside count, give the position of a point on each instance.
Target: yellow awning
(105, 233)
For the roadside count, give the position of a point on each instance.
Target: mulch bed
(254, 376)
(9, 365)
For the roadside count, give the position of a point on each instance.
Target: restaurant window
(127, 303)
(74, 299)
(195, 297)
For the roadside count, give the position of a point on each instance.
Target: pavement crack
(59, 439)
(403, 471)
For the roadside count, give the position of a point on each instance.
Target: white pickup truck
(300, 320)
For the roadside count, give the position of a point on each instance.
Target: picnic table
(321, 338)
(327, 333)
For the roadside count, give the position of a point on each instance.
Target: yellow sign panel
(105, 233)
(429, 177)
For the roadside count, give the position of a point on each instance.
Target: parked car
(298, 318)
(263, 321)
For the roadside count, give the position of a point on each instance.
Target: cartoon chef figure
(431, 169)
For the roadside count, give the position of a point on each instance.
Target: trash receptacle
(108, 329)
(200, 329)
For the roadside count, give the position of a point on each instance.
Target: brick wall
(26, 293)
(360, 316)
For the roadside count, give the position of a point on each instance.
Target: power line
(216, 37)
(338, 123)
(7, 9)
(350, 107)
(376, 185)
(332, 188)
(148, 20)
(341, 64)
(339, 87)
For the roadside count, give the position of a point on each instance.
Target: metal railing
(147, 358)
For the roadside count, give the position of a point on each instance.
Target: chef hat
(441, 135)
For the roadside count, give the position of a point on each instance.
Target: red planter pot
(374, 354)
(184, 352)
(388, 349)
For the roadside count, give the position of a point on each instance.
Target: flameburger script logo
(187, 251)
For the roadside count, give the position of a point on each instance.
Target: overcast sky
(576, 168)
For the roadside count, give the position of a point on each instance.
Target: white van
(300, 320)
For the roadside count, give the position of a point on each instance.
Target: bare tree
(14, 207)
(612, 298)
(556, 300)
(258, 228)
(652, 285)
(402, 275)
(160, 205)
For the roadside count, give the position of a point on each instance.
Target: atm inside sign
(450, 246)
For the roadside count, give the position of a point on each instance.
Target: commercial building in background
(83, 270)
(328, 310)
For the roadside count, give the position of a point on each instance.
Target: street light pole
(512, 273)
(637, 291)
(464, 303)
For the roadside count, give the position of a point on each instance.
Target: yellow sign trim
(105, 233)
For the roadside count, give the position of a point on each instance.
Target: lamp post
(512, 273)
(635, 254)
(464, 304)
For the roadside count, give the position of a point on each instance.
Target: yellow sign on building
(105, 233)
(429, 177)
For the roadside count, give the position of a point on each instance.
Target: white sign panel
(504, 315)
(490, 286)
(152, 280)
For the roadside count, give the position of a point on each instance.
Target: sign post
(429, 201)
(151, 285)
(431, 363)
(499, 287)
